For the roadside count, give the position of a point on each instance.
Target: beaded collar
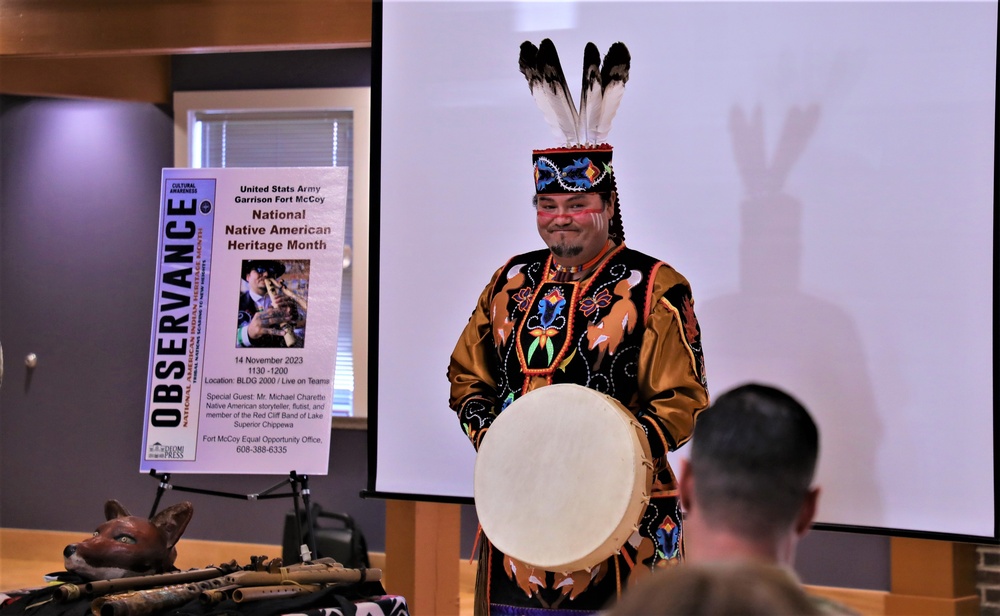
(562, 273)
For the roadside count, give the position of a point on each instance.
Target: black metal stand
(299, 492)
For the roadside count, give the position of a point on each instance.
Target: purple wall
(79, 188)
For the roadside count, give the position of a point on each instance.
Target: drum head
(562, 478)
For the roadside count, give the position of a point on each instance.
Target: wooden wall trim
(26, 555)
(46, 546)
(57, 28)
(865, 602)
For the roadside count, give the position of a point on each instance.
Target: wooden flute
(242, 586)
(68, 592)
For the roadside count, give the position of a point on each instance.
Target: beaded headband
(579, 169)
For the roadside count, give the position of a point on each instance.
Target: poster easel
(299, 493)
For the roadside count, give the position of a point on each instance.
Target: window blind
(291, 139)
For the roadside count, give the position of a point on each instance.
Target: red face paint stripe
(548, 215)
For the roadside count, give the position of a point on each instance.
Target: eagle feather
(547, 82)
(602, 88)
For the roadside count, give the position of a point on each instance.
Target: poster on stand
(244, 332)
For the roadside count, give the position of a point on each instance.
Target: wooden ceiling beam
(79, 28)
(120, 49)
(144, 79)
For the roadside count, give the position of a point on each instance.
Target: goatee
(564, 251)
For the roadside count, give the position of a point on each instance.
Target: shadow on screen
(770, 330)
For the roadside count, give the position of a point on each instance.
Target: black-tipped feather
(527, 61)
(601, 92)
(591, 93)
(616, 64)
(614, 74)
(549, 88)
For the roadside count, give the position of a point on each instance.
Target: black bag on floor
(337, 537)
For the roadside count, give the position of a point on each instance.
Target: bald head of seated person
(747, 489)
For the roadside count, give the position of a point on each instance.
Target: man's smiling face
(574, 226)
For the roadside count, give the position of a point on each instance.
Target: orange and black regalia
(627, 330)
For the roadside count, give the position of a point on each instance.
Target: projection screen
(822, 173)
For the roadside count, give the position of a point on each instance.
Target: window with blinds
(305, 138)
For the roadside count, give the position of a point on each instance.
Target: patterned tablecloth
(361, 599)
(389, 605)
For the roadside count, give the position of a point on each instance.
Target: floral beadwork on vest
(587, 332)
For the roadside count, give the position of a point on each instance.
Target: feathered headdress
(583, 161)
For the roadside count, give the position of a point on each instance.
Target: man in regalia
(586, 310)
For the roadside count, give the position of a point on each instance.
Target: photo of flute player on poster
(272, 305)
